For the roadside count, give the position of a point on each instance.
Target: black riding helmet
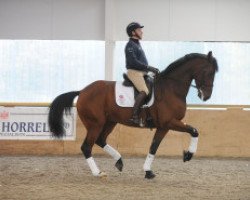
(132, 26)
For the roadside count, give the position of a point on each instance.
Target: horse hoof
(119, 164)
(187, 156)
(102, 175)
(149, 175)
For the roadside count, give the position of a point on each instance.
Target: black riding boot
(138, 103)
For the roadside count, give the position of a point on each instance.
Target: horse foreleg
(159, 135)
(180, 126)
(107, 129)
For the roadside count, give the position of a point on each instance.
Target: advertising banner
(31, 123)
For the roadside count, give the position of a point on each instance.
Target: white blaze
(202, 95)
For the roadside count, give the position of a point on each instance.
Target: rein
(182, 82)
(192, 85)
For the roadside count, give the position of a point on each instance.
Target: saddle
(145, 117)
(149, 83)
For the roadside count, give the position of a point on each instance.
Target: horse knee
(86, 150)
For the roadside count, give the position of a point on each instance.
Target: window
(39, 70)
(231, 86)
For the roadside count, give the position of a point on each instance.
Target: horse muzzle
(202, 95)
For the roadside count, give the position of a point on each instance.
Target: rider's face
(138, 33)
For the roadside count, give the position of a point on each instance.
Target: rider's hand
(154, 70)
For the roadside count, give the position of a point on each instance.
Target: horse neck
(179, 80)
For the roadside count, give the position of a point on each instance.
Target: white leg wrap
(148, 162)
(111, 151)
(193, 145)
(93, 167)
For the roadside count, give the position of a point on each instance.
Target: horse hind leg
(101, 141)
(92, 135)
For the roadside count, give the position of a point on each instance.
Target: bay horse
(98, 111)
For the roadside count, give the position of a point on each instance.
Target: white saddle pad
(125, 96)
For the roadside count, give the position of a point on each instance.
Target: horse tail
(61, 104)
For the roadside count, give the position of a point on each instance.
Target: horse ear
(209, 55)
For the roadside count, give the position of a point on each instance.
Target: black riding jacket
(135, 56)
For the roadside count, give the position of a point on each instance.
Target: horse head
(204, 77)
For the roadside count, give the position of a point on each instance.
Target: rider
(137, 66)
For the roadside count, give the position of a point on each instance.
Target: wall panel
(223, 133)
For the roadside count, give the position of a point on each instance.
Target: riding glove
(153, 69)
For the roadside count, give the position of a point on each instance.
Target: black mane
(174, 65)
